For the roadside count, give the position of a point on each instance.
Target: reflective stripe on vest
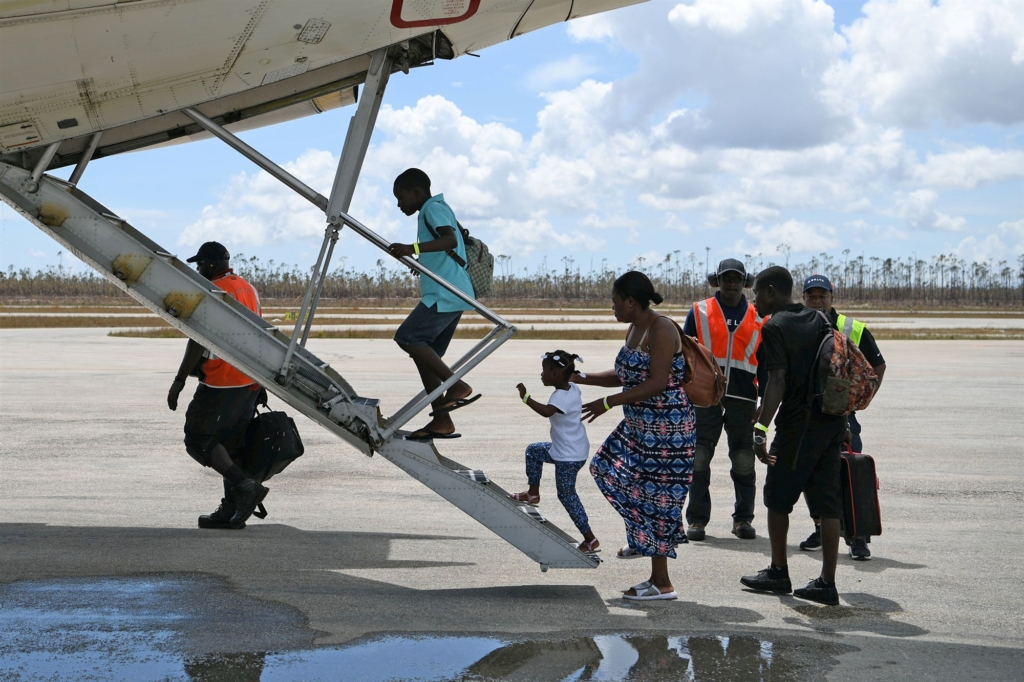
(217, 372)
(737, 349)
(851, 328)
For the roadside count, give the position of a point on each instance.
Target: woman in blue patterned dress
(645, 466)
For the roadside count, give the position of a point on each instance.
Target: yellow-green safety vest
(851, 328)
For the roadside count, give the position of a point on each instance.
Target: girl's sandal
(525, 498)
(592, 547)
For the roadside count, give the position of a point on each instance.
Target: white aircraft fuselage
(73, 68)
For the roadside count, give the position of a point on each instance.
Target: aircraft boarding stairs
(160, 281)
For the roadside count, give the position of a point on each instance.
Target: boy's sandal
(525, 498)
(628, 552)
(649, 593)
(592, 547)
(427, 434)
(453, 405)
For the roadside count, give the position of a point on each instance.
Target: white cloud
(799, 236)
(969, 168)
(567, 71)
(36, 253)
(918, 208)
(256, 209)
(596, 27)
(912, 61)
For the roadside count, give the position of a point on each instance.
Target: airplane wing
(74, 68)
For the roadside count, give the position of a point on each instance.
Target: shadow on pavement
(864, 613)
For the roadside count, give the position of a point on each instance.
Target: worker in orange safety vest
(224, 402)
(730, 327)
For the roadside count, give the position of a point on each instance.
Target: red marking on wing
(398, 22)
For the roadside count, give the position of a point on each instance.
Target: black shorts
(427, 327)
(817, 468)
(218, 415)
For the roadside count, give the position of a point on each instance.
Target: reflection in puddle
(192, 628)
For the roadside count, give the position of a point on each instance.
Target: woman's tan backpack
(703, 379)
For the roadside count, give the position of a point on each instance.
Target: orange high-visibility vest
(218, 373)
(738, 349)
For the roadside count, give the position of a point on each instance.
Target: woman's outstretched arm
(607, 378)
(664, 343)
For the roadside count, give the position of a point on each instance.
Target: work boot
(743, 530)
(771, 579)
(859, 550)
(220, 518)
(695, 533)
(819, 591)
(813, 540)
(248, 495)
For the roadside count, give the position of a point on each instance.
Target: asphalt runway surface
(359, 562)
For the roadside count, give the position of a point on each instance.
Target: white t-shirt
(569, 442)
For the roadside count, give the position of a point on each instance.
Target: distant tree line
(943, 280)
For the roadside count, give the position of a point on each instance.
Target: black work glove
(174, 392)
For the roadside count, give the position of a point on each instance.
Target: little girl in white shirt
(569, 447)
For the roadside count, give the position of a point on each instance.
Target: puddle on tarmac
(195, 628)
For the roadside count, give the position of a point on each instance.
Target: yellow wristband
(416, 248)
(606, 405)
(525, 398)
(760, 427)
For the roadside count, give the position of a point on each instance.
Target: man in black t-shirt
(818, 295)
(804, 455)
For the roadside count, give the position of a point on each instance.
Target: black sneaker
(819, 591)
(859, 550)
(771, 579)
(248, 495)
(813, 540)
(695, 533)
(743, 530)
(220, 518)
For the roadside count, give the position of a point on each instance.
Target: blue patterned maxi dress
(645, 466)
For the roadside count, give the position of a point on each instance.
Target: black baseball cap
(817, 282)
(731, 265)
(210, 251)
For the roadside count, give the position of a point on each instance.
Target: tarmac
(359, 562)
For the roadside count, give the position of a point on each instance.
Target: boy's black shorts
(427, 327)
(817, 468)
(218, 415)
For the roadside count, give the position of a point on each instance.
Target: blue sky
(889, 128)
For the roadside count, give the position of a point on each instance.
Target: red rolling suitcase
(859, 488)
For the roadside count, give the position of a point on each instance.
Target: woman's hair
(637, 286)
(562, 359)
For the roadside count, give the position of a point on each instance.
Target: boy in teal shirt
(428, 330)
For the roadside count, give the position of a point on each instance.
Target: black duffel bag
(272, 442)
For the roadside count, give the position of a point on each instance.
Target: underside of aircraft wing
(76, 68)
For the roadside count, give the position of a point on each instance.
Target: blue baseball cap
(817, 282)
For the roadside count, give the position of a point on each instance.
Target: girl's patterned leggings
(538, 454)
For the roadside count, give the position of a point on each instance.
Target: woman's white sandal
(649, 593)
(628, 552)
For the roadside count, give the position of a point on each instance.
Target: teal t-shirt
(439, 214)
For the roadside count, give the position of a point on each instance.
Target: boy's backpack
(841, 378)
(480, 267)
(703, 378)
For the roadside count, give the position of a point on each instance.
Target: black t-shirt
(867, 344)
(790, 341)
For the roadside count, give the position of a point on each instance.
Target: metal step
(177, 293)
